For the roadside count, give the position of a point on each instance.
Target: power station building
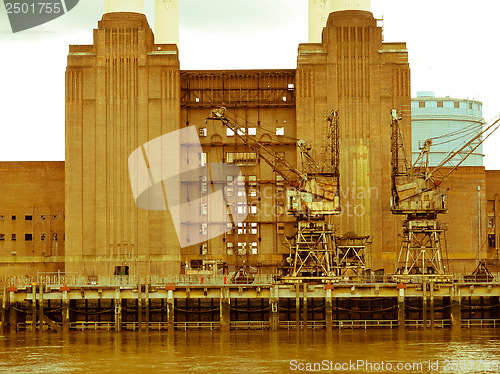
(127, 89)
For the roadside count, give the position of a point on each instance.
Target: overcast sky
(454, 50)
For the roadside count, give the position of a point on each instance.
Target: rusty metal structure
(312, 195)
(417, 195)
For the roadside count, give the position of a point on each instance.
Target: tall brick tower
(121, 92)
(353, 71)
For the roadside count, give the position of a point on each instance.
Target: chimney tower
(320, 9)
(113, 6)
(167, 22)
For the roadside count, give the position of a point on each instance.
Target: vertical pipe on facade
(479, 221)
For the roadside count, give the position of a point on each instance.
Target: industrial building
(449, 122)
(127, 89)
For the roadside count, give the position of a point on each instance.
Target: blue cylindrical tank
(434, 117)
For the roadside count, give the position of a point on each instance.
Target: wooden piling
(456, 308)
(3, 320)
(12, 313)
(401, 308)
(170, 310)
(65, 311)
(33, 308)
(118, 310)
(297, 306)
(147, 306)
(225, 322)
(40, 308)
(329, 310)
(424, 305)
(139, 306)
(304, 315)
(431, 303)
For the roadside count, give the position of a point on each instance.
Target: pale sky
(454, 50)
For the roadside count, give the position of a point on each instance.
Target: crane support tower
(417, 195)
(311, 197)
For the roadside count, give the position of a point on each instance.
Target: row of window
(28, 217)
(251, 131)
(28, 237)
(440, 104)
(241, 248)
(237, 158)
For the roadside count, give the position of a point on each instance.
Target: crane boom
(463, 152)
(261, 149)
(312, 194)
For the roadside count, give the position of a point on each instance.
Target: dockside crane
(311, 196)
(416, 194)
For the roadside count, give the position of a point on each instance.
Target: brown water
(358, 351)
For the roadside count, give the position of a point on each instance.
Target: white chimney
(135, 6)
(350, 5)
(320, 9)
(167, 22)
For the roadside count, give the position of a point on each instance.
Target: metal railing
(60, 279)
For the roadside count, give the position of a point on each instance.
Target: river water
(346, 351)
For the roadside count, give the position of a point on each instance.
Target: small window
(203, 131)
(253, 228)
(491, 222)
(54, 236)
(281, 228)
(252, 131)
(42, 237)
(204, 248)
(28, 237)
(242, 248)
(2, 218)
(2, 237)
(280, 131)
(14, 218)
(43, 218)
(470, 106)
(421, 104)
(229, 132)
(13, 237)
(242, 228)
(242, 208)
(229, 248)
(253, 248)
(253, 209)
(203, 208)
(439, 104)
(54, 218)
(202, 159)
(279, 180)
(491, 240)
(28, 218)
(456, 104)
(241, 131)
(291, 86)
